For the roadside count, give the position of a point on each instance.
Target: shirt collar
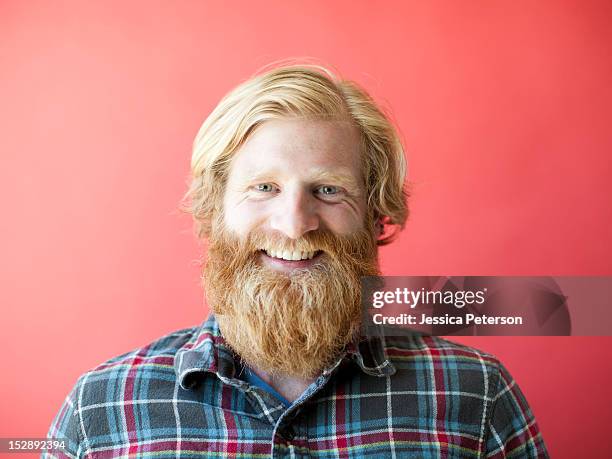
(207, 352)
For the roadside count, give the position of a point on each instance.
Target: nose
(296, 214)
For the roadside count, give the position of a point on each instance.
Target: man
(297, 178)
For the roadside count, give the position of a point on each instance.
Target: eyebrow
(341, 176)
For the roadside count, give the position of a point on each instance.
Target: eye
(330, 193)
(328, 190)
(265, 187)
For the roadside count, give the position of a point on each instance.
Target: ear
(379, 227)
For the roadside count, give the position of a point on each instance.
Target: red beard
(289, 324)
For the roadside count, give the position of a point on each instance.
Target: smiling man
(298, 177)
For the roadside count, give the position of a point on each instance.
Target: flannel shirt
(409, 396)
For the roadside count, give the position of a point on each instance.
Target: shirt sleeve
(66, 427)
(512, 428)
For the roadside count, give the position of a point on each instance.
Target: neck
(290, 387)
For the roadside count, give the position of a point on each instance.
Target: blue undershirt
(251, 377)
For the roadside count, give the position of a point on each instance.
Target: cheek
(241, 219)
(342, 220)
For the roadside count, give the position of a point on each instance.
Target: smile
(291, 255)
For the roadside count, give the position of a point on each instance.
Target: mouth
(295, 255)
(288, 261)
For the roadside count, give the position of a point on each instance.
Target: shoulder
(154, 352)
(417, 346)
(472, 384)
(152, 361)
(143, 373)
(451, 362)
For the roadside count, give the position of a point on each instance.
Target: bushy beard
(288, 324)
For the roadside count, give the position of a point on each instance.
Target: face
(293, 177)
(286, 255)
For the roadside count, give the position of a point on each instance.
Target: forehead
(296, 147)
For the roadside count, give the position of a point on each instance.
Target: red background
(504, 107)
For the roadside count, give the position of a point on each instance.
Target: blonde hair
(308, 91)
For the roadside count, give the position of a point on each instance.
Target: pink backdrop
(505, 108)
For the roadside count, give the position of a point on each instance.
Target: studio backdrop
(504, 109)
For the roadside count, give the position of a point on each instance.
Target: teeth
(290, 255)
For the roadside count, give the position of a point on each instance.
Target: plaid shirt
(411, 396)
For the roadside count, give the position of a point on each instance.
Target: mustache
(358, 244)
(319, 241)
